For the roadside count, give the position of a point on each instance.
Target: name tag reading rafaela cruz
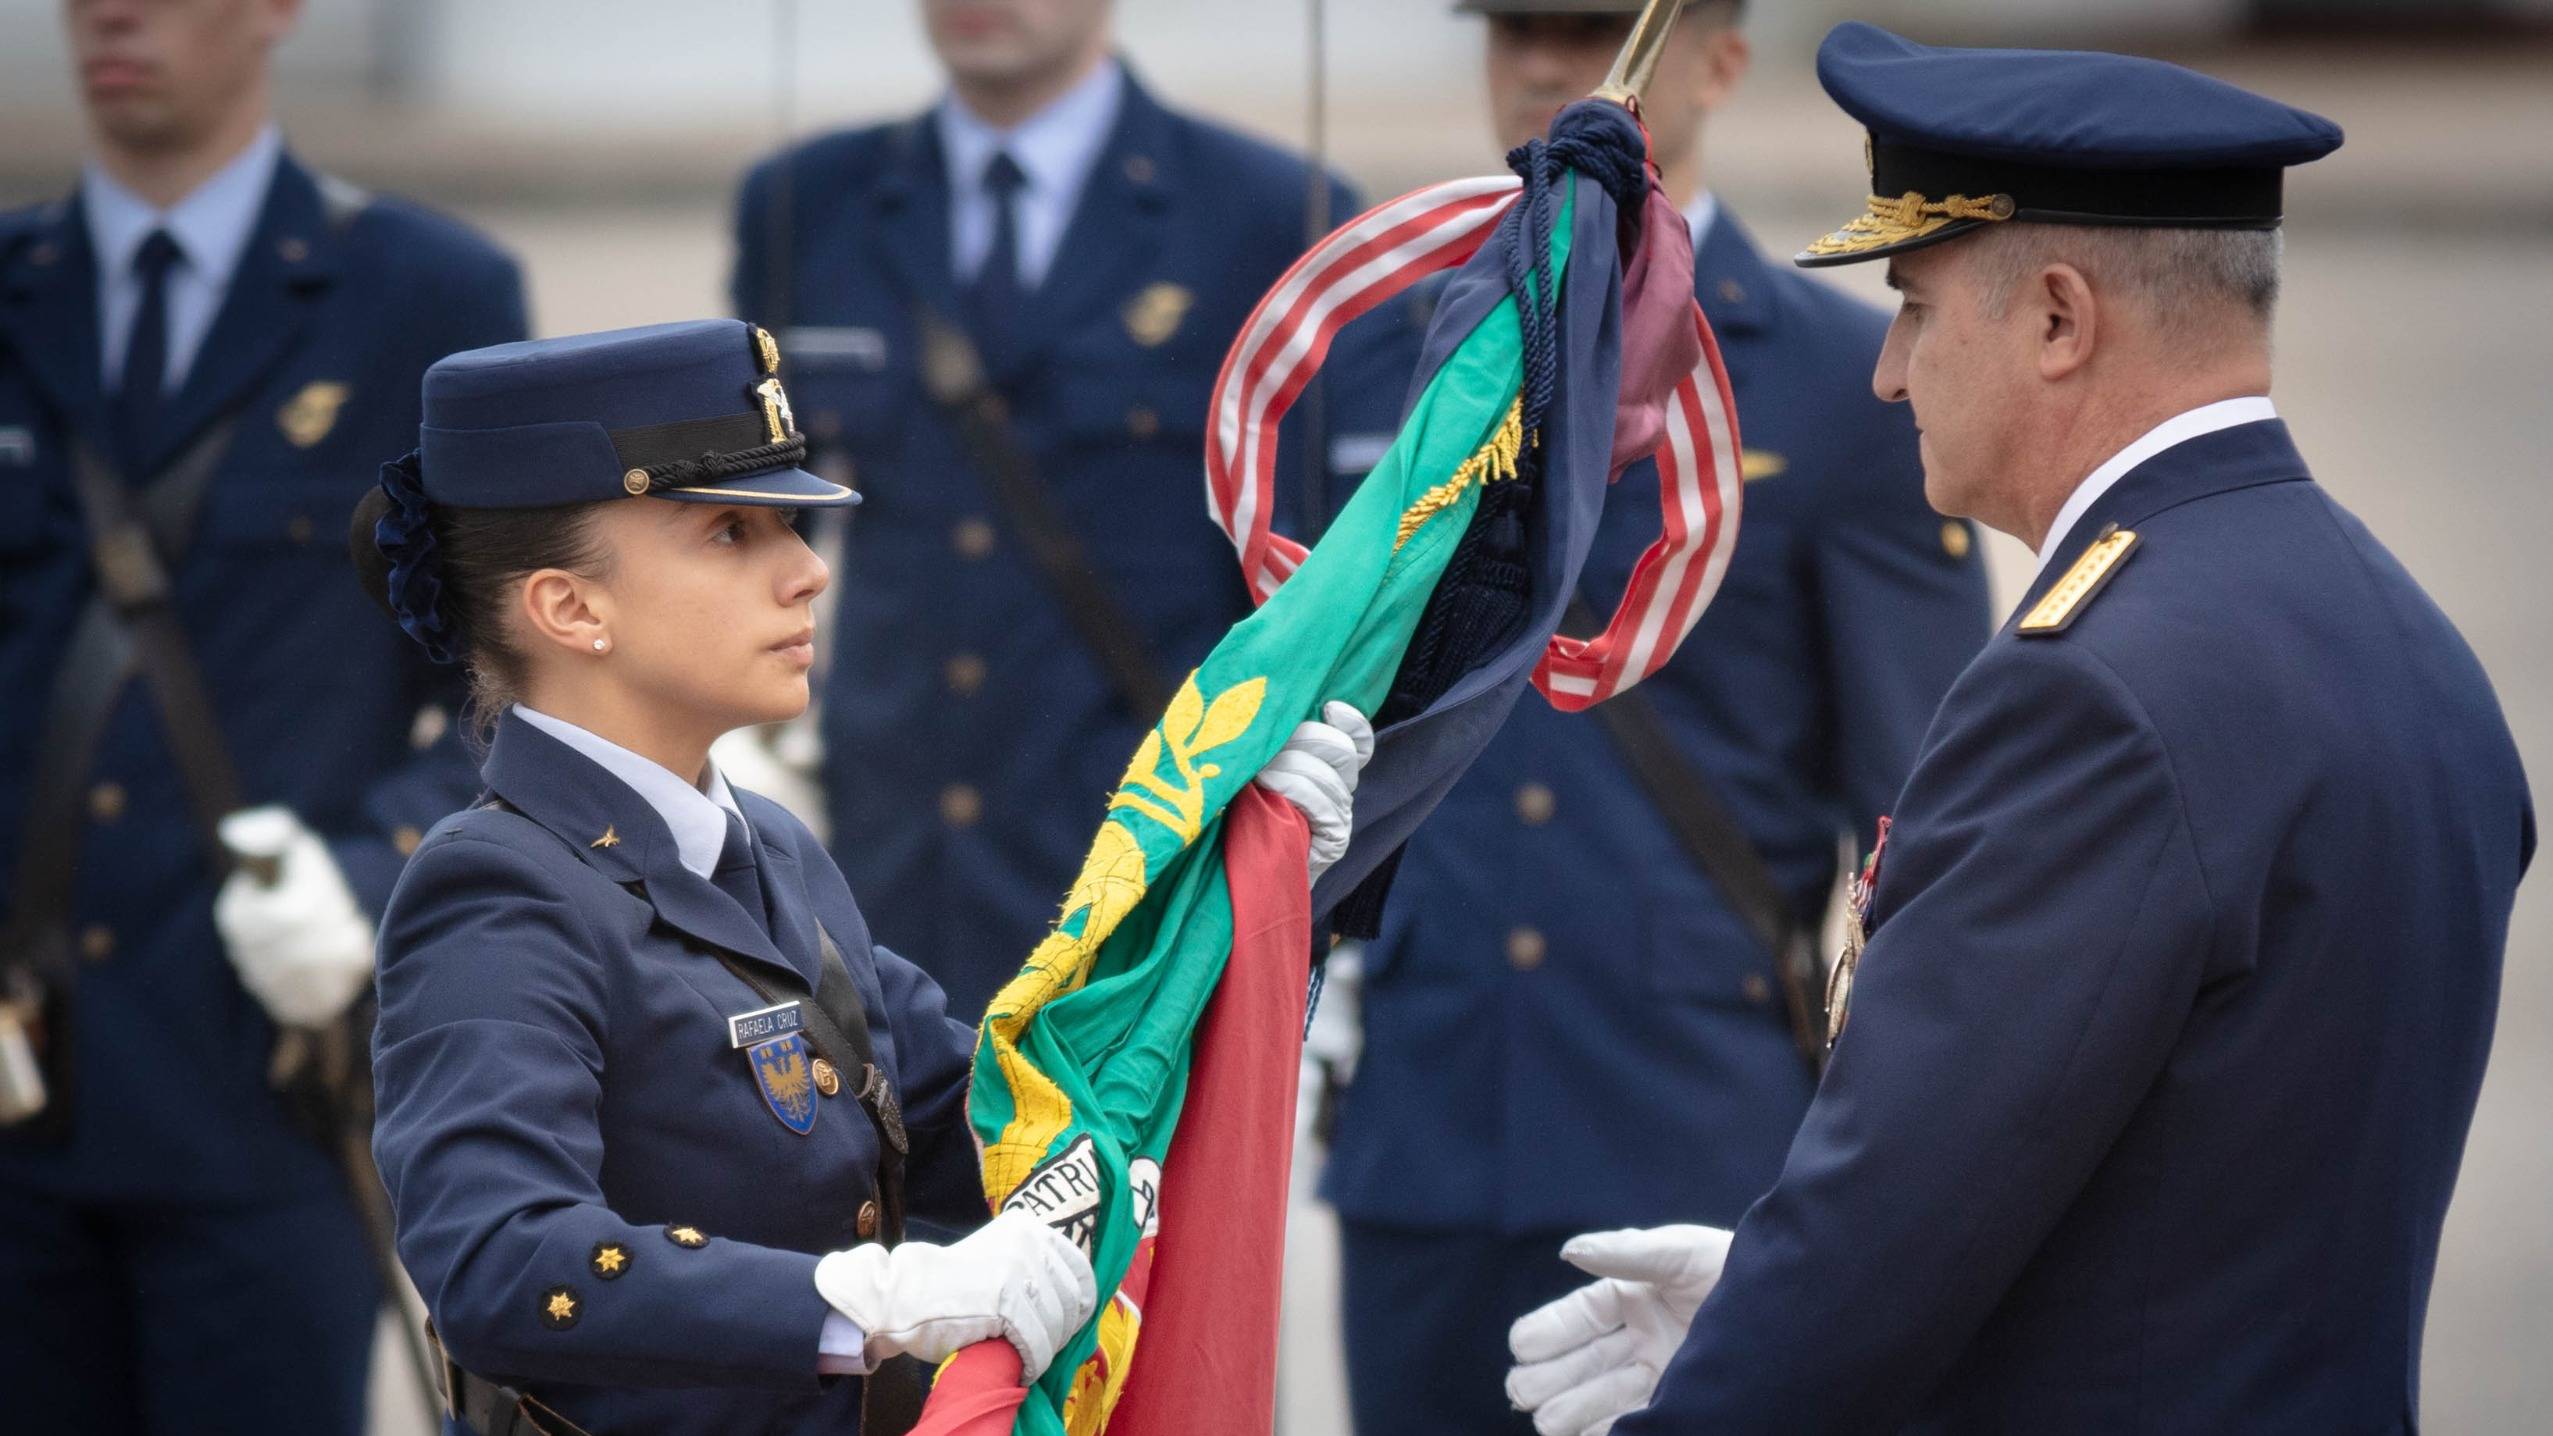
(764, 1023)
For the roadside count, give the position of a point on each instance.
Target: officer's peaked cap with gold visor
(691, 411)
(1960, 139)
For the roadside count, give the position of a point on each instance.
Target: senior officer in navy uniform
(1006, 313)
(2181, 959)
(219, 342)
(1503, 1099)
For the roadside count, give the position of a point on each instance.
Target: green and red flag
(1554, 359)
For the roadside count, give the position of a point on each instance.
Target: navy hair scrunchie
(405, 536)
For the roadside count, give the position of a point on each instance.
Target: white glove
(300, 944)
(781, 763)
(1014, 1277)
(1316, 771)
(1595, 1355)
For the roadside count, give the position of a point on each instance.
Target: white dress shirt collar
(212, 226)
(696, 816)
(1700, 215)
(1056, 148)
(2172, 432)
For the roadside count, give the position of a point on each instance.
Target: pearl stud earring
(601, 643)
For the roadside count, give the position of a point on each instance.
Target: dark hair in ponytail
(447, 574)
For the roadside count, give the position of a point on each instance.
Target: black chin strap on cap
(693, 452)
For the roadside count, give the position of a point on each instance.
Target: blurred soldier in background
(1664, 860)
(205, 351)
(1007, 313)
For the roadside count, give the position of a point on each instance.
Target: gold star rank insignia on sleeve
(559, 1308)
(611, 838)
(683, 1236)
(610, 1260)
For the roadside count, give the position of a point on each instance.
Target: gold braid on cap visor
(1909, 216)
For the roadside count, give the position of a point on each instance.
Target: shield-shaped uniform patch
(781, 1069)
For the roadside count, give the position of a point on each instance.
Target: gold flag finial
(1638, 62)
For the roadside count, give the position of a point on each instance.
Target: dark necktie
(735, 875)
(993, 300)
(137, 394)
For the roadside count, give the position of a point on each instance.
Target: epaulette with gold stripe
(2074, 592)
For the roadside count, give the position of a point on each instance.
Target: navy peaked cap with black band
(691, 411)
(1959, 139)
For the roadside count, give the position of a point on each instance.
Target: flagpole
(1637, 64)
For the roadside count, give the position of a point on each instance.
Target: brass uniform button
(300, 530)
(1535, 805)
(1525, 949)
(683, 1236)
(960, 805)
(965, 674)
(106, 802)
(635, 481)
(610, 1260)
(972, 538)
(1757, 990)
(1954, 538)
(97, 942)
(1142, 422)
(828, 1081)
(868, 1222)
(406, 839)
(560, 1308)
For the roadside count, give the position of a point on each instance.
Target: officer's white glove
(782, 763)
(297, 939)
(1595, 1355)
(1014, 1277)
(1316, 771)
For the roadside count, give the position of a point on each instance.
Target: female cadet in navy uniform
(639, 1185)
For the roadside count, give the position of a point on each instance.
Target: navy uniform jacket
(971, 739)
(319, 347)
(2160, 1062)
(561, 1113)
(1548, 936)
